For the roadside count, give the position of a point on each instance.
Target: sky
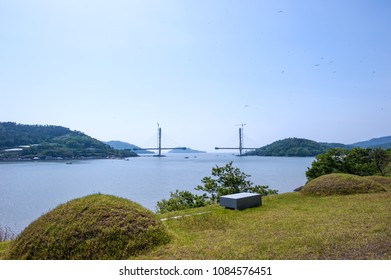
(114, 69)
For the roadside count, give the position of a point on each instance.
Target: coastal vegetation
(294, 147)
(26, 142)
(358, 161)
(93, 227)
(224, 180)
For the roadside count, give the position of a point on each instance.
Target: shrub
(93, 227)
(341, 184)
(181, 200)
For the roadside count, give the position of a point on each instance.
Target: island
(119, 145)
(295, 147)
(50, 142)
(185, 150)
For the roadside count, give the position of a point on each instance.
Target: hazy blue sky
(112, 69)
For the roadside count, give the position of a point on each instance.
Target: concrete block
(241, 201)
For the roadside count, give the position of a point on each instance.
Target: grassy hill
(20, 141)
(93, 227)
(287, 226)
(294, 147)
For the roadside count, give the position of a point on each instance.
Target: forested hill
(294, 147)
(382, 142)
(119, 145)
(20, 141)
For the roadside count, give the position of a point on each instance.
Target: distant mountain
(382, 142)
(119, 145)
(23, 142)
(294, 147)
(184, 150)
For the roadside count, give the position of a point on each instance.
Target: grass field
(287, 226)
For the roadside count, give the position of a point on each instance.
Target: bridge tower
(241, 143)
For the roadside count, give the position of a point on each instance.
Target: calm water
(29, 189)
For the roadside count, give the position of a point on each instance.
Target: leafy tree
(229, 180)
(382, 160)
(331, 161)
(358, 161)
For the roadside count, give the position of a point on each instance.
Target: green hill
(381, 142)
(119, 145)
(93, 227)
(294, 147)
(24, 142)
(184, 150)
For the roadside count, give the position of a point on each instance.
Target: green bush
(180, 200)
(358, 161)
(93, 227)
(341, 184)
(224, 180)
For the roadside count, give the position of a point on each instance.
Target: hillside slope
(119, 145)
(294, 147)
(22, 142)
(381, 142)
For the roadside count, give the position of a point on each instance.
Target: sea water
(30, 189)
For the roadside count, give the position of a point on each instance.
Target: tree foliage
(224, 180)
(358, 161)
(229, 180)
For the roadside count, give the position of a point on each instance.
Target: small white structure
(241, 201)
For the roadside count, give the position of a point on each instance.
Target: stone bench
(241, 201)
